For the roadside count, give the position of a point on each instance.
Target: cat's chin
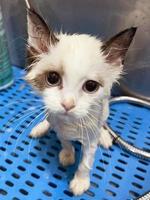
(66, 115)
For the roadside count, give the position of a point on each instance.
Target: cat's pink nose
(68, 104)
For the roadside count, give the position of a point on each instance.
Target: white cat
(74, 74)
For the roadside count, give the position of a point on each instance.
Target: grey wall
(101, 17)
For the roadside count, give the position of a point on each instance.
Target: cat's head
(73, 72)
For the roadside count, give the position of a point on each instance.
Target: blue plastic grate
(29, 168)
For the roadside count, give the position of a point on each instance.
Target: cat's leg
(67, 154)
(81, 181)
(105, 139)
(105, 109)
(41, 129)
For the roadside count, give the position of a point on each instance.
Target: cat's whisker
(92, 116)
(94, 128)
(94, 111)
(97, 138)
(19, 116)
(81, 128)
(21, 101)
(28, 154)
(27, 125)
(108, 151)
(86, 131)
(44, 117)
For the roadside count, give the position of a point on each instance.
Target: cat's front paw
(40, 130)
(66, 157)
(79, 185)
(105, 139)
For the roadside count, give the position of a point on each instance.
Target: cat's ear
(40, 36)
(116, 48)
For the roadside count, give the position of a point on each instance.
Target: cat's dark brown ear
(40, 36)
(116, 48)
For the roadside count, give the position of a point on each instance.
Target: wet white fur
(81, 59)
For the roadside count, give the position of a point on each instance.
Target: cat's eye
(53, 78)
(91, 86)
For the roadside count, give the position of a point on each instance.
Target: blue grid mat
(29, 168)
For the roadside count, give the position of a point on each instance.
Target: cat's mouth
(66, 115)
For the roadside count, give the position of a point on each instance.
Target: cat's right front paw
(66, 157)
(40, 130)
(35, 133)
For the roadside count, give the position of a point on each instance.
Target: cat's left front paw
(79, 185)
(105, 138)
(67, 157)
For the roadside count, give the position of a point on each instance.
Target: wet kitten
(74, 75)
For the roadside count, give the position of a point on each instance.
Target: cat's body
(74, 75)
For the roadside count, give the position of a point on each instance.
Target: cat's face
(73, 72)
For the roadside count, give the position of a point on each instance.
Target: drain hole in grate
(133, 132)
(18, 131)
(29, 183)
(15, 198)
(47, 193)
(2, 149)
(27, 161)
(50, 154)
(20, 148)
(13, 137)
(24, 192)
(124, 155)
(95, 185)
(104, 162)
(21, 168)
(53, 185)
(68, 193)
(25, 142)
(139, 177)
(124, 113)
(110, 193)
(137, 185)
(9, 183)
(8, 143)
(107, 155)
(143, 162)
(15, 175)
(41, 168)
(35, 175)
(32, 154)
(37, 148)
(14, 154)
(57, 176)
(119, 169)
(122, 161)
(100, 169)
(133, 194)
(117, 176)
(2, 168)
(97, 176)
(62, 169)
(113, 184)
(90, 193)
(42, 142)
(141, 169)
(3, 192)
(55, 148)
(45, 161)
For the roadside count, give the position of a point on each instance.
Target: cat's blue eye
(91, 86)
(53, 79)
